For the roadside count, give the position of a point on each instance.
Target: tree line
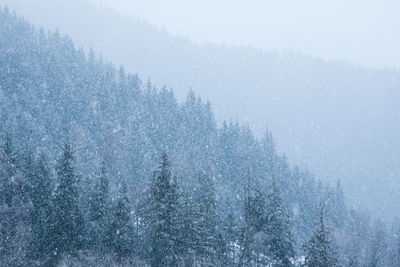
(48, 213)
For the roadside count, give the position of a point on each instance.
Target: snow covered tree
(231, 231)
(164, 215)
(258, 209)
(119, 233)
(67, 222)
(319, 249)
(247, 230)
(207, 224)
(307, 206)
(99, 208)
(339, 207)
(41, 194)
(229, 227)
(280, 239)
(189, 232)
(99, 198)
(15, 235)
(27, 167)
(355, 239)
(395, 246)
(9, 171)
(253, 237)
(15, 228)
(378, 248)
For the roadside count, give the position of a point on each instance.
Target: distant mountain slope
(342, 121)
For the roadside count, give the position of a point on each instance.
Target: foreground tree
(207, 223)
(164, 203)
(280, 239)
(189, 234)
(8, 171)
(319, 249)
(99, 208)
(99, 198)
(68, 222)
(118, 234)
(15, 228)
(255, 226)
(378, 248)
(247, 229)
(41, 191)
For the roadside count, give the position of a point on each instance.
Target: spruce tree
(100, 194)
(68, 222)
(247, 230)
(338, 207)
(258, 209)
(230, 228)
(9, 171)
(319, 249)
(164, 215)
(99, 208)
(119, 234)
(41, 193)
(259, 224)
(231, 236)
(280, 239)
(15, 227)
(27, 166)
(222, 251)
(255, 226)
(189, 234)
(207, 223)
(245, 256)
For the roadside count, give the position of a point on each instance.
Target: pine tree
(41, 193)
(15, 228)
(68, 222)
(231, 236)
(247, 229)
(279, 236)
(338, 207)
(164, 216)
(9, 171)
(119, 232)
(230, 228)
(258, 209)
(222, 251)
(189, 234)
(259, 224)
(319, 249)
(143, 226)
(207, 223)
(99, 208)
(27, 166)
(245, 256)
(396, 249)
(100, 195)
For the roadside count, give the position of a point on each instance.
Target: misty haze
(199, 133)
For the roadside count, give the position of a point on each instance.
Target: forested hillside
(99, 167)
(340, 119)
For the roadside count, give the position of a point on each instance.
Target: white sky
(365, 32)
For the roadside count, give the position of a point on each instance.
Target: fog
(361, 31)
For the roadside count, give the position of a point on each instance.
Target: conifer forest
(100, 166)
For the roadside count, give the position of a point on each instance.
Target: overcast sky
(365, 32)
